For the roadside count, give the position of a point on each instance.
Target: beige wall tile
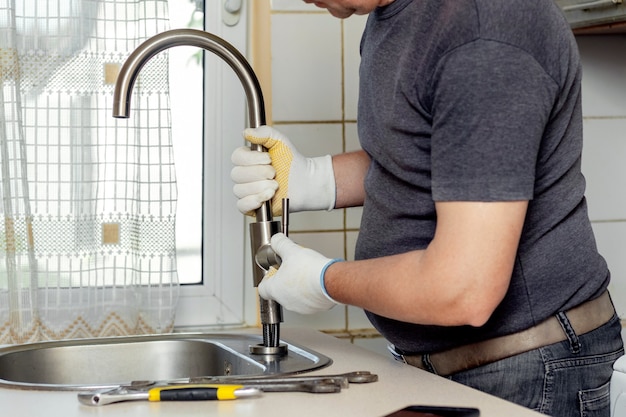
(306, 67)
(604, 75)
(293, 6)
(604, 153)
(352, 31)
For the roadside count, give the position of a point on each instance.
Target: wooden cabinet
(595, 16)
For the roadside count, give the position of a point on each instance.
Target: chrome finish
(261, 233)
(342, 380)
(251, 386)
(271, 313)
(88, 364)
(188, 37)
(264, 255)
(266, 258)
(284, 221)
(261, 349)
(96, 399)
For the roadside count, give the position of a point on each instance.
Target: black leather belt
(583, 318)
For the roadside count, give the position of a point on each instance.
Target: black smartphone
(427, 411)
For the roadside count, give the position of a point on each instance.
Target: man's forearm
(350, 169)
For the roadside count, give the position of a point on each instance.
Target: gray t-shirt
(477, 100)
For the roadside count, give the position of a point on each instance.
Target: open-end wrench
(144, 389)
(320, 387)
(342, 380)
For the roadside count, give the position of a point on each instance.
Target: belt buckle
(397, 356)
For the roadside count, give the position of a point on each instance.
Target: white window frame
(219, 300)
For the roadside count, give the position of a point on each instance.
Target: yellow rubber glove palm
(309, 183)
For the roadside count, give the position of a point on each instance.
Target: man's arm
(350, 169)
(459, 279)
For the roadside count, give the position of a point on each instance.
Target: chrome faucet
(260, 231)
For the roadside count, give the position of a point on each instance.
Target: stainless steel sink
(107, 362)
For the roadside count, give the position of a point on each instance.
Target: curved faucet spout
(205, 40)
(188, 37)
(265, 227)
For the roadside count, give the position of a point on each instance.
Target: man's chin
(341, 14)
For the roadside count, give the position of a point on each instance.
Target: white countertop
(399, 385)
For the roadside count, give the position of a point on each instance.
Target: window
(186, 80)
(207, 102)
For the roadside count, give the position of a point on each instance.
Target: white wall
(604, 152)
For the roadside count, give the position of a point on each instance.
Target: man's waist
(583, 318)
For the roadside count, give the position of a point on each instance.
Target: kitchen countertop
(399, 385)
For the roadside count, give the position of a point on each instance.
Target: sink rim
(318, 360)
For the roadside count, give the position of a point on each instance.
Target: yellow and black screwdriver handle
(181, 392)
(196, 392)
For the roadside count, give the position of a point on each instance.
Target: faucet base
(260, 349)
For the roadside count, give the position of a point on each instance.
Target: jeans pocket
(595, 402)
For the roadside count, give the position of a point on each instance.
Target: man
(476, 258)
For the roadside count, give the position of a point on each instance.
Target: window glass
(208, 115)
(186, 110)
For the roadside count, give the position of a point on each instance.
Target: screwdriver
(200, 392)
(186, 392)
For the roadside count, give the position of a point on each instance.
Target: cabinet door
(601, 15)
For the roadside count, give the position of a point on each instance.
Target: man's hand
(298, 284)
(309, 183)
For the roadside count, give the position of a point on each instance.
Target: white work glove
(298, 284)
(309, 183)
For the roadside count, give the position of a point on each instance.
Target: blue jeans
(566, 379)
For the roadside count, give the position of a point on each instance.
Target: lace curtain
(88, 201)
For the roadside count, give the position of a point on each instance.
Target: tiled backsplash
(604, 152)
(314, 78)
